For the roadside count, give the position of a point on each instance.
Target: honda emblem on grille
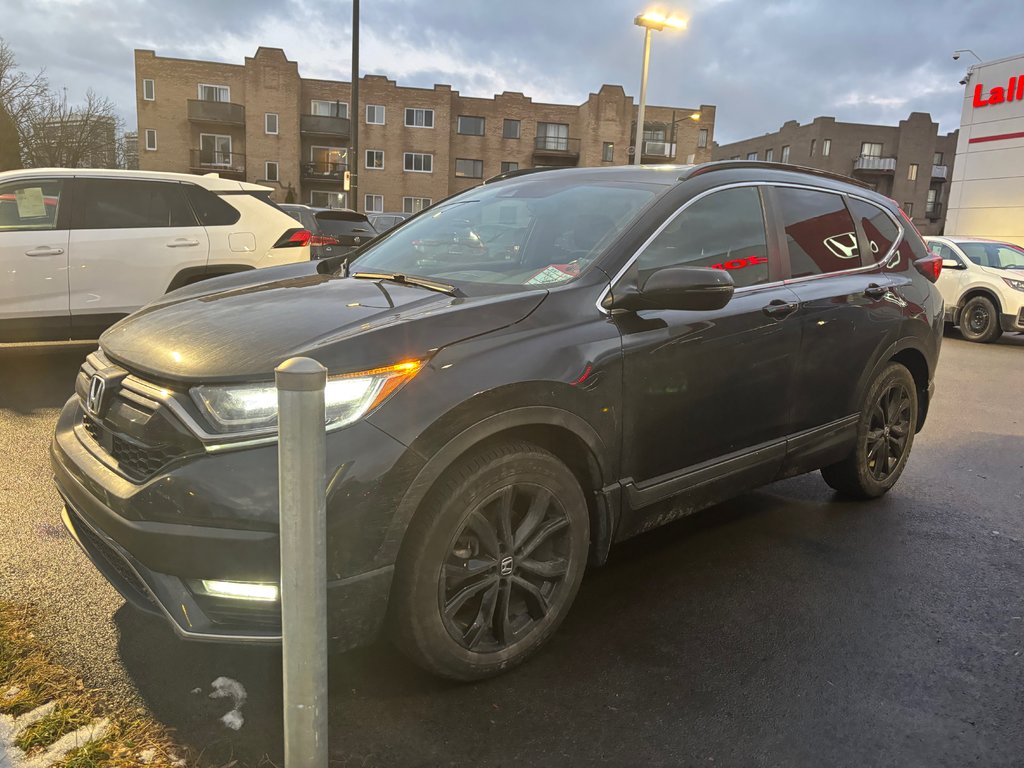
(94, 401)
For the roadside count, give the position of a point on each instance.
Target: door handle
(182, 242)
(876, 291)
(779, 309)
(45, 250)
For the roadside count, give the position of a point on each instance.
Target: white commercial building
(986, 197)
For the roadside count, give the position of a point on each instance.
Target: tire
(526, 571)
(979, 320)
(885, 432)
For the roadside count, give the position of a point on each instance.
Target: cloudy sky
(761, 62)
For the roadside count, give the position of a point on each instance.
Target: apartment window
(937, 158)
(328, 108)
(751, 155)
(373, 203)
(607, 152)
(871, 149)
(507, 166)
(469, 169)
(510, 129)
(826, 147)
(908, 208)
(553, 136)
(375, 159)
(150, 139)
(271, 171)
(414, 204)
(813, 143)
(419, 118)
(471, 126)
(320, 199)
(214, 92)
(149, 90)
(327, 161)
(769, 155)
(419, 162)
(912, 172)
(785, 154)
(702, 138)
(214, 149)
(374, 114)
(270, 122)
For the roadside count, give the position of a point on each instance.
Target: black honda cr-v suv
(633, 344)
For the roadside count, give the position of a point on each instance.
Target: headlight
(347, 397)
(1017, 284)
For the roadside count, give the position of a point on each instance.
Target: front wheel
(979, 320)
(491, 562)
(885, 435)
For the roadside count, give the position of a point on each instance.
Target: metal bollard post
(302, 478)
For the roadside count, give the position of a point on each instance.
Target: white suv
(80, 249)
(982, 283)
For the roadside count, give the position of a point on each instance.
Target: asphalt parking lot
(788, 627)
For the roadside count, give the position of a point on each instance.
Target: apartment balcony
(940, 172)
(658, 152)
(324, 125)
(872, 164)
(332, 173)
(230, 165)
(219, 112)
(556, 150)
(933, 211)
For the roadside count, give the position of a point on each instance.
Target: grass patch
(29, 679)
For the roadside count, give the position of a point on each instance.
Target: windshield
(995, 255)
(533, 231)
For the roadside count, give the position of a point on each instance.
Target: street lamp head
(659, 21)
(695, 116)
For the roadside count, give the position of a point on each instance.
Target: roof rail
(524, 172)
(726, 165)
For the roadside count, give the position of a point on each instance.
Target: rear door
(130, 238)
(34, 219)
(950, 279)
(847, 308)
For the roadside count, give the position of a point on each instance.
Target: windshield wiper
(422, 282)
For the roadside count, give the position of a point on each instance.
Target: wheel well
(915, 362)
(977, 292)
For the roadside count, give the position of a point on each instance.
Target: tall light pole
(651, 20)
(353, 162)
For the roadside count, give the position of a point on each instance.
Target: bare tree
(62, 135)
(20, 93)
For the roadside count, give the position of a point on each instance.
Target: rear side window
(724, 230)
(819, 232)
(30, 204)
(127, 204)
(878, 226)
(211, 210)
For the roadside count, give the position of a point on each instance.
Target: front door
(34, 260)
(700, 386)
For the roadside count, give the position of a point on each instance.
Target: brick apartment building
(910, 163)
(262, 122)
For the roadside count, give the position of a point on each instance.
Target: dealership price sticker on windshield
(30, 203)
(556, 273)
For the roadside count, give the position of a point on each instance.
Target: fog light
(241, 590)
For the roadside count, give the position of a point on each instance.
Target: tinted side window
(211, 210)
(124, 204)
(819, 232)
(724, 230)
(30, 204)
(880, 230)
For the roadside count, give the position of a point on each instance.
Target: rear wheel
(979, 320)
(491, 563)
(885, 435)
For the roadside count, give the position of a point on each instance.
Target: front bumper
(126, 530)
(1011, 323)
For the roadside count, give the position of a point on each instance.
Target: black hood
(243, 326)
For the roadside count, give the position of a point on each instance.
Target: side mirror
(687, 288)
(951, 264)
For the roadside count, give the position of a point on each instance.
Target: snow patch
(12, 757)
(226, 688)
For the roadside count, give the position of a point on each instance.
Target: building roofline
(811, 124)
(188, 61)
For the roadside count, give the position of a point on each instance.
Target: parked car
(80, 249)
(658, 344)
(335, 231)
(982, 283)
(382, 222)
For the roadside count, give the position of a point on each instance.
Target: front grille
(137, 461)
(98, 547)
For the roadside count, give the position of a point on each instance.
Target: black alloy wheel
(506, 567)
(979, 320)
(885, 435)
(491, 562)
